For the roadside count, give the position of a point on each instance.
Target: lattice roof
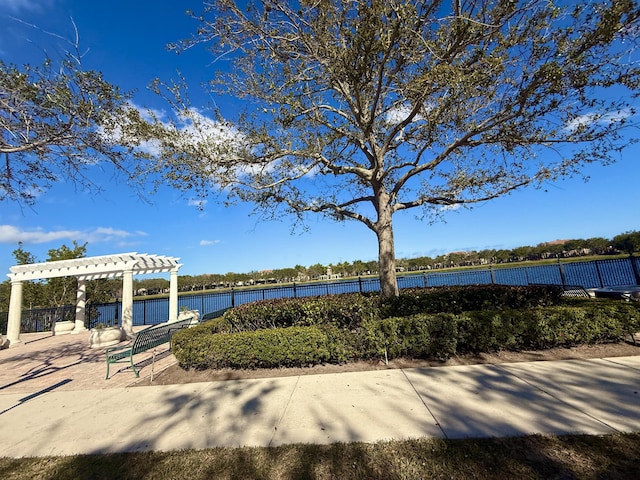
(92, 268)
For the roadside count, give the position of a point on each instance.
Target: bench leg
(134, 368)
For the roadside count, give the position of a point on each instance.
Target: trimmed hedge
(281, 347)
(424, 335)
(344, 311)
(352, 310)
(558, 326)
(458, 299)
(416, 336)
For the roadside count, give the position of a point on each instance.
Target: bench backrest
(157, 335)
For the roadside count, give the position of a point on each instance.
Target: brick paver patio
(44, 362)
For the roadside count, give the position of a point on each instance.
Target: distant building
(330, 275)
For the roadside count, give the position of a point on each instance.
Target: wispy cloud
(25, 5)
(197, 202)
(589, 119)
(453, 206)
(149, 114)
(13, 234)
(194, 127)
(400, 112)
(199, 128)
(206, 243)
(107, 234)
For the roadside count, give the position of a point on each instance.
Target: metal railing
(588, 274)
(40, 319)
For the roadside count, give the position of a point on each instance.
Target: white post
(81, 299)
(127, 302)
(15, 313)
(173, 296)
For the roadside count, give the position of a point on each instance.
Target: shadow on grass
(533, 457)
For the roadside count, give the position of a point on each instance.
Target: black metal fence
(587, 274)
(40, 319)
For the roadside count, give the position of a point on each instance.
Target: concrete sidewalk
(576, 396)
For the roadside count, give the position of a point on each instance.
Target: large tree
(359, 109)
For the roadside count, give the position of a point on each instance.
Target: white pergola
(123, 265)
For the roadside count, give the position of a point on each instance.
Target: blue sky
(126, 41)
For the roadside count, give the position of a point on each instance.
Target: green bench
(144, 340)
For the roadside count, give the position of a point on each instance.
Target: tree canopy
(360, 109)
(628, 242)
(57, 120)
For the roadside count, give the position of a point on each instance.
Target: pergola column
(81, 299)
(127, 302)
(173, 295)
(15, 313)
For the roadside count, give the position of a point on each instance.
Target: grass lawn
(545, 457)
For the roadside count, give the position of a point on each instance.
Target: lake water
(590, 274)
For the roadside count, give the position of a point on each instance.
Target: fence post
(492, 274)
(233, 299)
(360, 283)
(295, 292)
(563, 277)
(599, 274)
(634, 267)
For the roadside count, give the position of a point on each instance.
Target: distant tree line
(628, 242)
(62, 291)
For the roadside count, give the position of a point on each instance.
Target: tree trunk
(386, 249)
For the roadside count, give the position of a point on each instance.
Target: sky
(126, 41)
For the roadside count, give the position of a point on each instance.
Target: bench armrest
(118, 347)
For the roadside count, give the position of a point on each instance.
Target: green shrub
(216, 325)
(351, 311)
(598, 322)
(491, 330)
(546, 327)
(191, 347)
(270, 348)
(341, 344)
(218, 344)
(191, 343)
(277, 313)
(460, 299)
(419, 336)
(344, 311)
